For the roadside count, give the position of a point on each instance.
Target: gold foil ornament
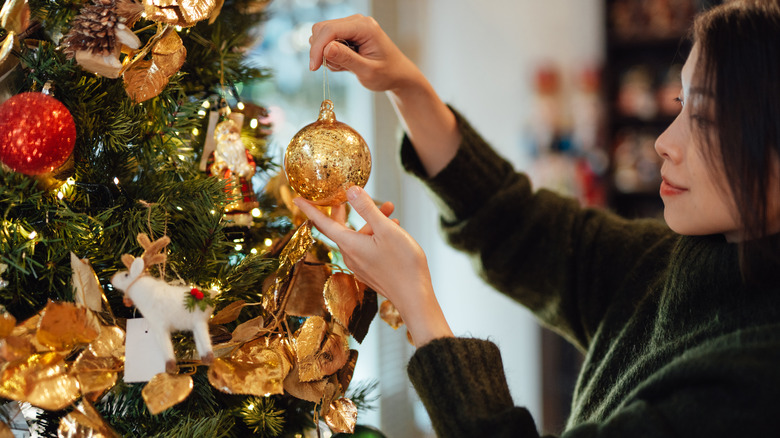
(40, 379)
(390, 314)
(342, 295)
(166, 390)
(342, 416)
(13, 348)
(229, 313)
(85, 422)
(96, 375)
(65, 325)
(347, 371)
(184, 13)
(7, 322)
(88, 292)
(262, 377)
(110, 343)
(325, 158)
(309, 391)
(305, 296)
(5, 430)
(145, 79)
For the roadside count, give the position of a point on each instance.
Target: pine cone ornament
(96, 37)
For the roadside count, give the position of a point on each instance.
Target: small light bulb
(256, 212)
(116, 180)
(195, 131)
(32, 235)
(60, 195)
(239, 247)
(253, 251)
(206, 104)
(240, 105)
(253, 123)
(268, 241)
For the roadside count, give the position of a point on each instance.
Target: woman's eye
(680, 101)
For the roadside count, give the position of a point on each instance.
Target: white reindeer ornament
(163, 304)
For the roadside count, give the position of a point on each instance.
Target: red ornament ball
(37, 133)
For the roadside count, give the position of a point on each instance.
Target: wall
(480, 56)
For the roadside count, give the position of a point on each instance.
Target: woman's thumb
(339, 54)
(365, 206)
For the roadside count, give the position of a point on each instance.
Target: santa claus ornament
(37, 133)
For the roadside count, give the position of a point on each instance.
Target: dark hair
(739, 63)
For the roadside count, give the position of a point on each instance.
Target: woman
(681, 327)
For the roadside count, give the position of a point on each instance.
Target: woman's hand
(378, 63)
(386, 258)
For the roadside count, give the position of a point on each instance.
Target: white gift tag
(143, 357)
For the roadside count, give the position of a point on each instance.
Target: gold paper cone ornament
(325, 158)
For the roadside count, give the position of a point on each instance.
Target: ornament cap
(326, 112)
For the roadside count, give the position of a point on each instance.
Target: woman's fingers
(387, 209)
(363, 205)
(325, 224)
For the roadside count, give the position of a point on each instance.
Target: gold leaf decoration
(346, 372)
(184, 13)
(146, 79)
(306, 297)
(307, 346)
(27, 330)
(41, 380)
(96, 375)
(5, 430)
(342, 296)
(85, 422)
(334, 354)
(247, 330)
(110, 343)
(7, 322)
(262, 351)
(295, 250)
(342, 416)
(309, 391)
(390, 314)
(65, 325)
(166, 390)
(261, 375)
(88, 290)
(229, 313)
(13, 348)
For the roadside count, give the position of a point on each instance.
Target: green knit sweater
(676, 345)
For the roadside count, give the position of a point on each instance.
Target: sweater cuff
(459, 197)
(462, 384)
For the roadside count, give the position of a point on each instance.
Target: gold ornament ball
(325, 158)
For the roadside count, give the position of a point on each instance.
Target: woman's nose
(667, 144)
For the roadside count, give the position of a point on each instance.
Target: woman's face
(696, 195)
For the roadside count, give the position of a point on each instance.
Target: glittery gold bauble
(325, 158)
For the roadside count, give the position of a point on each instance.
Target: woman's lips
(669, 189)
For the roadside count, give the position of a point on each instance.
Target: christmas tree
(128, 158)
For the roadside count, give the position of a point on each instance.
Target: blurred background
(574, 92)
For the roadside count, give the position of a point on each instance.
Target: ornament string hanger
(325, 82)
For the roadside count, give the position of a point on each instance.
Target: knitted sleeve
(565, 263)
(722, 389)
(462, 385)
